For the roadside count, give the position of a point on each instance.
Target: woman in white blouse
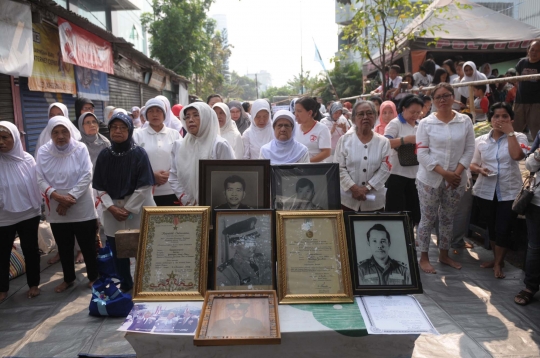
(64, 175)
(228, 130)
(362, 155)
(260, 132)
(445, 142)
(157, 140)
(20, 208)
(312, 133)
(201, 142)
(496, 160)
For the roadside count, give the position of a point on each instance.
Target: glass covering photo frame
(238, 318)
(306, 187)
(313, 264)
(172, 258)
(382, 254)
(244, 250)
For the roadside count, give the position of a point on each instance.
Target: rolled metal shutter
(6, 99)
(123, 93)
(149, 92)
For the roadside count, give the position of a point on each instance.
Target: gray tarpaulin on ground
(473, 312)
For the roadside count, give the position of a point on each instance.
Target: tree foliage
(347, 80)
(272, 91)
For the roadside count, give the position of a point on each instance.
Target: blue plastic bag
(108, 300)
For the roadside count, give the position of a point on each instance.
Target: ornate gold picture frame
(172, 259)
(313, 264)
(238, 318)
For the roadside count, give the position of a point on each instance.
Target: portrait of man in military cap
(244, 252)
(236, 323)
(380, 268)
(234, 190)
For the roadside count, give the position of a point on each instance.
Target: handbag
(407, 155)
(526, 194)
(108, 300)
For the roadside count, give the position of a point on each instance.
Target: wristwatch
(369, 187)
(511, 134)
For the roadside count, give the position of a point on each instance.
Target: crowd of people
(412, 152)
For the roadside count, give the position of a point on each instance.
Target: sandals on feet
(526, 296)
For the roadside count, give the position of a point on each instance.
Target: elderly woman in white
(201, 142)
(228, 129)
(260, 132)
(157, 140)
(362, 155)
(64, 175)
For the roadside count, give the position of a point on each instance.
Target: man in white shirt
(393, 82)
(421, 78)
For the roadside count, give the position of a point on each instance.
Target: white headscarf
(42, 137)
(230, 132)
(154, 102)
(18, 173)
(136, 120)
(260, 136)
(476, 76)
(118, 110)
(170, 119)
(106, 113)
(193, 148)
(284, 152)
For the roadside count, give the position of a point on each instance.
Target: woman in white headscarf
(202, 141)
(136, 113)
(55, 109)
(170, 119)
(260, 132)
(284, 149)
(107, 114)
(471, 74)
(228, 130)
(64, 176)
(20, 208)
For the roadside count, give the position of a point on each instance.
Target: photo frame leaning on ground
(382, 254)
(313, 265)
(172, 259)
(238, 318)
(306, 187)
(244, 251)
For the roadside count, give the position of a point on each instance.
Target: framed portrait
(172, 258)
(244, 250)
(234, 184)
(313, 265)
(238, 317)
(306, 187)
(382, 254)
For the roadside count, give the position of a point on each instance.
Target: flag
(318, 57)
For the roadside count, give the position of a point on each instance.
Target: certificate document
(394, 315)
(312, 256)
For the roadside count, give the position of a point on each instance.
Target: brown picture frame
(256, 314)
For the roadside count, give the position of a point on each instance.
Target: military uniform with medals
(394, 272)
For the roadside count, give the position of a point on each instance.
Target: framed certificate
(244, 250)
(238, 318)
(172, 262)
(313, 265)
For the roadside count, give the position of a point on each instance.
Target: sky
(271, 35)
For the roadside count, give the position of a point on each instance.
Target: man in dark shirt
(527, 104)
(234, 191)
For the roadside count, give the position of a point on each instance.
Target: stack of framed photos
(262, 228)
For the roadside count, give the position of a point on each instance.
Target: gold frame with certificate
(172, 259)
(313, 264)
(238, 318)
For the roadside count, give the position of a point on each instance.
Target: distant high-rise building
(221, 26)
(264, 80)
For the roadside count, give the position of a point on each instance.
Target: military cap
(237, 306)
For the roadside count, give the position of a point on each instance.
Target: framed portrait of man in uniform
(244, 253)
(382, 254)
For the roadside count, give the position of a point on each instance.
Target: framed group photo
(306, 187)
(237, 318)
(172, 258)
(244, 250)
(382, 254)
(234, 184)
(313, 264)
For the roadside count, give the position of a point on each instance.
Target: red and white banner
(82, 48)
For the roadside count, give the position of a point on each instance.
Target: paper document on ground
(394, 315)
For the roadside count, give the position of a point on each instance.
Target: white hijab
(193, 148)
(136, 120)
(476, 76)
(284, 152)
(18, 173)
(42, 137)
(261, 136)
(170, 119)
(230, 132)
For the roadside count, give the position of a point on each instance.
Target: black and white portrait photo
(381, 253)
(234, 191)
(244, 250)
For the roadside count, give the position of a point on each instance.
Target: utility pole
(257, 86)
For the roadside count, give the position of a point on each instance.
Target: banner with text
(82, 48)
(92, 84)
(50, 73)
(16, 50)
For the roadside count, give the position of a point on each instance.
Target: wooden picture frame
(394, 236)
(244, 253)
(313, 265)
(306, 187)
(175, 240)
(238, 318)
(213, 174)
